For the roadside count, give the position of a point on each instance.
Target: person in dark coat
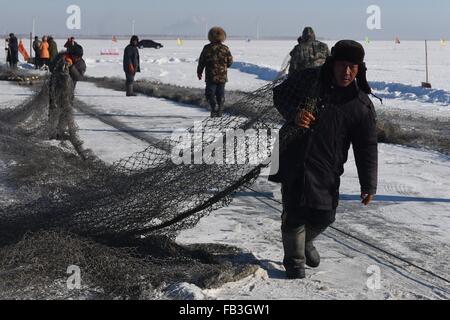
(74, 48)
(13, 51)
(216, 58)
(37, 52)
(131, 64)
(67, 68)
(52, 48)
(326, 110)
(309, 53)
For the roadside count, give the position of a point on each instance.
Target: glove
(131, 69)
(69, 61)
(366, 198)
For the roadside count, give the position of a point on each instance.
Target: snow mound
(185, 291)
(413, 93)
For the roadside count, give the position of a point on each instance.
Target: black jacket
(13, 52)
(75, 51)
(314, 161)
(131, 55)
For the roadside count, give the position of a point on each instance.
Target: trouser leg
(129, 85)
(220, 96)
(210, 93)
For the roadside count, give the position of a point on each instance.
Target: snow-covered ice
(410, 217)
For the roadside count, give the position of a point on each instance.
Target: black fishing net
(148, 193)
(58, 189)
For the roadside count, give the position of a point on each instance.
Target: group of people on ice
(325, 96)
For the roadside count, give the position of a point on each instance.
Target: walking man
(216, 58)
(332, 115)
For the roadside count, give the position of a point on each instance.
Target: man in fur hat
(216, 58)
(332, 111)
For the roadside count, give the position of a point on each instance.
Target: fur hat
(351, 51)
(217, 35)
(348, 50)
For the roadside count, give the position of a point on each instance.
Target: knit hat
(134, 38)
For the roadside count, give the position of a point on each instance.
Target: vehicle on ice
(150, 44)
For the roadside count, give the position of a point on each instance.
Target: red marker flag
(23, 51)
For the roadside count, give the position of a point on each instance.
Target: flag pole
(426, 57)
(426, 84)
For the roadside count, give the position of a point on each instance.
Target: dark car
(150, 44)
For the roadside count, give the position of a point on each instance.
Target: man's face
(135, 43)
(345, 73)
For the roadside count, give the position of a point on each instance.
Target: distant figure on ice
(13, 51)
(309, 52)
(67, 68)
(52, 48)
(74, 57)
(216, 58)
(44, 53)
(37, 52)
(311, 164)
(131, 64)
(74, 48)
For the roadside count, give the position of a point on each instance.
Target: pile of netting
(65, 210)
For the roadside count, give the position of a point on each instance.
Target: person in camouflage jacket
(216, 58)
(309, 53)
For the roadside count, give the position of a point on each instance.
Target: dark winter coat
(315, 161)
(13, 52)
(309, 53)
(52, 48)
(216, 58)
(75, 50)
(131, 56)
(37, 46)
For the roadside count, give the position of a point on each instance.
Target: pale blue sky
(409, 19)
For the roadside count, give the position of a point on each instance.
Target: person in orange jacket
(44, 51)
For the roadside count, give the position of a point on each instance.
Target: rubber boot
(130, 91)
(221, 103)
(294, 253)
(311, 253)
(214, 110)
